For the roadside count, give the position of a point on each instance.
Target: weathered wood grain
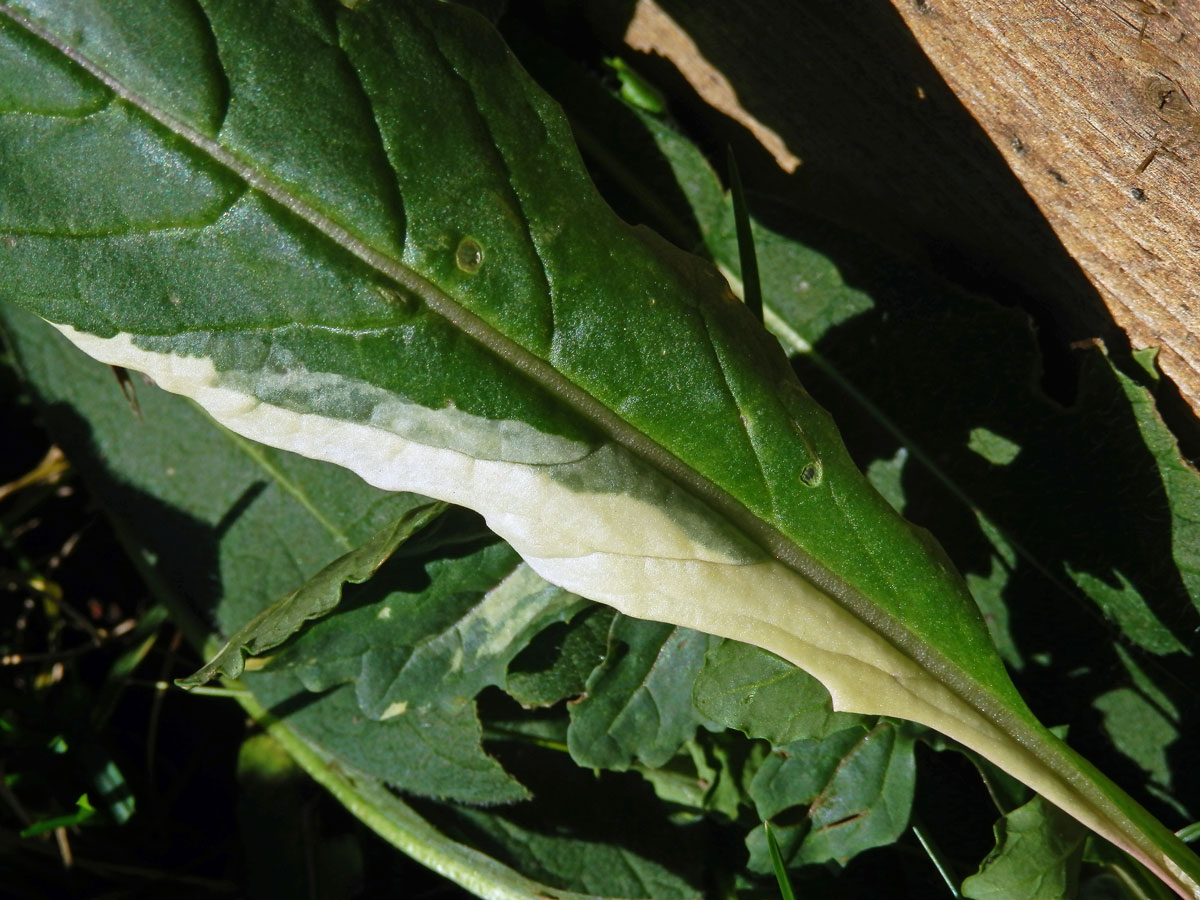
(1095, 105)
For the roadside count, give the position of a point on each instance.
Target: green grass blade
(777, 865)
(751, 283)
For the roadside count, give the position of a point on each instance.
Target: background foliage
(588, 751)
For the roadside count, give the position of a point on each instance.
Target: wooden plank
(1095, 105)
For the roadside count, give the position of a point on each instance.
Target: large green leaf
(393, 260)
(934, 415)
(910, 408)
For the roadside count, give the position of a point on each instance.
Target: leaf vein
(767, 483)
(211, 219)
(395, 198)
(221, 73)
(518, 204)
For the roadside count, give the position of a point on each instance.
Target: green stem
(936, 857)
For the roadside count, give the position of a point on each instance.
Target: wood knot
(1169, 101)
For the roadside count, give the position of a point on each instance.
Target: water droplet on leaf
(468, 256)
